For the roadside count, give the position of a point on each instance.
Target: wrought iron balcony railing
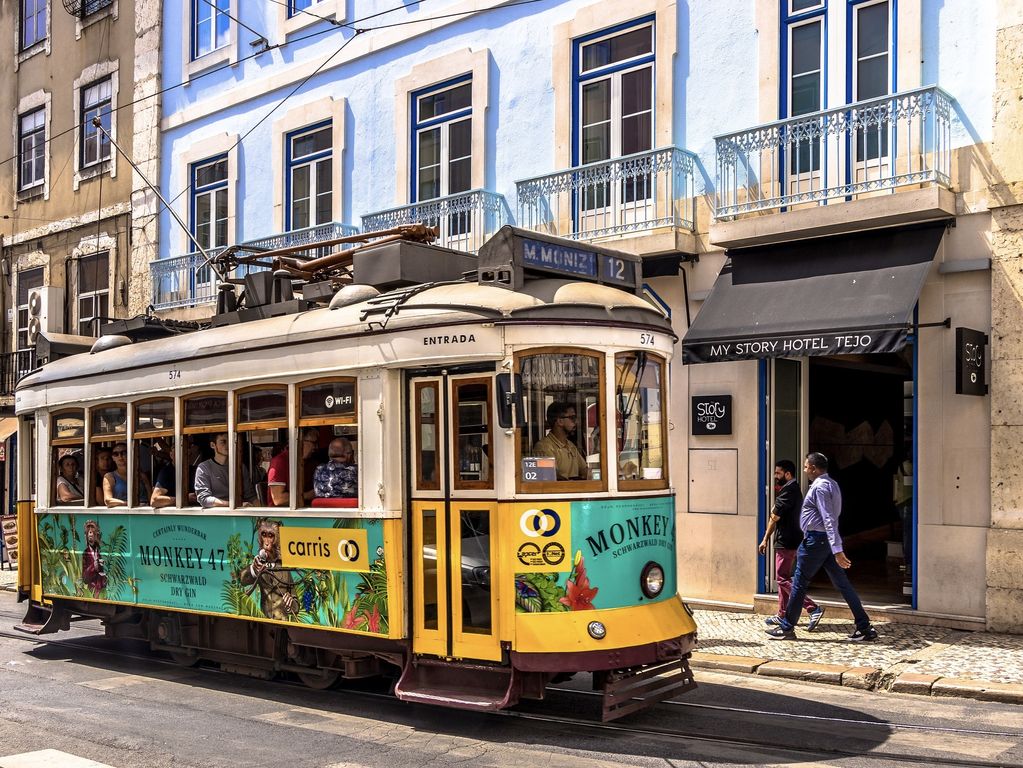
(635, 193)
(465, 219)
(881, 144)
(187, 281)
(14, 366)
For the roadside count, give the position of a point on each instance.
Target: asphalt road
(114, 703)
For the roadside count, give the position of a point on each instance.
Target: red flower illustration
(578, 592)
(374, 619)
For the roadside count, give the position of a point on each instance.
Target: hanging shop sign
(712, 415)
(971, 376)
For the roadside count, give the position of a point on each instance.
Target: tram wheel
(319, 681)
(183, 658)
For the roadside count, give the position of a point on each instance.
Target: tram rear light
(651, 581)
(597, 630)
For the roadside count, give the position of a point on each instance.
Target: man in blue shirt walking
(821, 548)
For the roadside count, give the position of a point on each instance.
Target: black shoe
(780, 633)
(772, 621)
(863, 635)
(815, 618)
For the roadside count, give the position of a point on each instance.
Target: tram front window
(564, 440)
(641, 438)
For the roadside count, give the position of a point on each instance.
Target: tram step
(632, 690)
(44, 620)
(457, 685)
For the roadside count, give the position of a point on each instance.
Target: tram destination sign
(555, 257)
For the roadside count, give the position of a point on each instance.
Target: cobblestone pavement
(981, 656)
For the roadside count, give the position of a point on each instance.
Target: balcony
(14, 366)
(856, 152)
(636, 193)
(465, 220)
(188, 281)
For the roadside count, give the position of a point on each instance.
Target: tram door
(454, 516)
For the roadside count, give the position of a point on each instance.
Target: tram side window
(206, 476)
(563, 440)
(108, 432)
(154, 454)
(329, 432)
(68, 449)
(261, 422)
(472, 427)
(640, 421)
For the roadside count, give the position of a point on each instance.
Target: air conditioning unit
(45, 311)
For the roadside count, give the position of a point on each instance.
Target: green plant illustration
(61, 546)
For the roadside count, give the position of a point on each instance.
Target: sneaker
(863, 635)
(815, 618)
(772, 621)
(780, 633)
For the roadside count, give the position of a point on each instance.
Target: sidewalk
(906, 658)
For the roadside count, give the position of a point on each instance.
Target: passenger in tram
(103, 462)
(339, 477)
(561, 423)
(115, 483)
(212, 483)
(69, 482)
(279, 477)
(165, 488)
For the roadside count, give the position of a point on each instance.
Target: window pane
(429, 148)
(804, 5)
(597, 143)
(475, 546)
(27, 280)
(69, 424)
(872, 78)
(429, 183)
(430, 570)
(636, 133)
(639, 396)
(472, 402)
(109, 420)
(333, 398)
(311, 143)
(806, 48)
(872, 30)
(564, 416)
(93, 272)
(450, 100)
(263, 405)
(324, 197)
(211, 173)
(207, 410)
(637, 93)
(156, 414)
(805, 94)
(596, 102)
(426, 420)
(636, 42)
(221, 233)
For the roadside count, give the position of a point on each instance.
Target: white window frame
(312, 162)
(19, 308)
(211, 192)
(855, 59)
(443, 125)
(90, 134)
(422, 77)
(91, 76)
(289, 22)
(294, 121)
(20, 55)
(41, 6)
(793, 12)
(189, 151)
(589, 77)
(821, 64)
(93, 295)
(225, 54)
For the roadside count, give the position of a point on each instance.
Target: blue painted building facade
(681, 131)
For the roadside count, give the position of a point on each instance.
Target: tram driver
(561, 424)
(212, 486)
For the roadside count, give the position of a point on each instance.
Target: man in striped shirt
(821, 548)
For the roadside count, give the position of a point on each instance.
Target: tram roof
(544, 302)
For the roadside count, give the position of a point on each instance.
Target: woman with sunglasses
(115, 484)
(69, 482)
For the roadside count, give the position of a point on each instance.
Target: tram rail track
(625, 729)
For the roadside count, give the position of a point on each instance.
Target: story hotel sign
(850, 295)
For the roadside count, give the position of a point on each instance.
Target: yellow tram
(449, 469)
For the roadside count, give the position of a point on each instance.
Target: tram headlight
(597, 630)
(651, 581)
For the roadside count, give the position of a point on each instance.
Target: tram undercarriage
(631, 679)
